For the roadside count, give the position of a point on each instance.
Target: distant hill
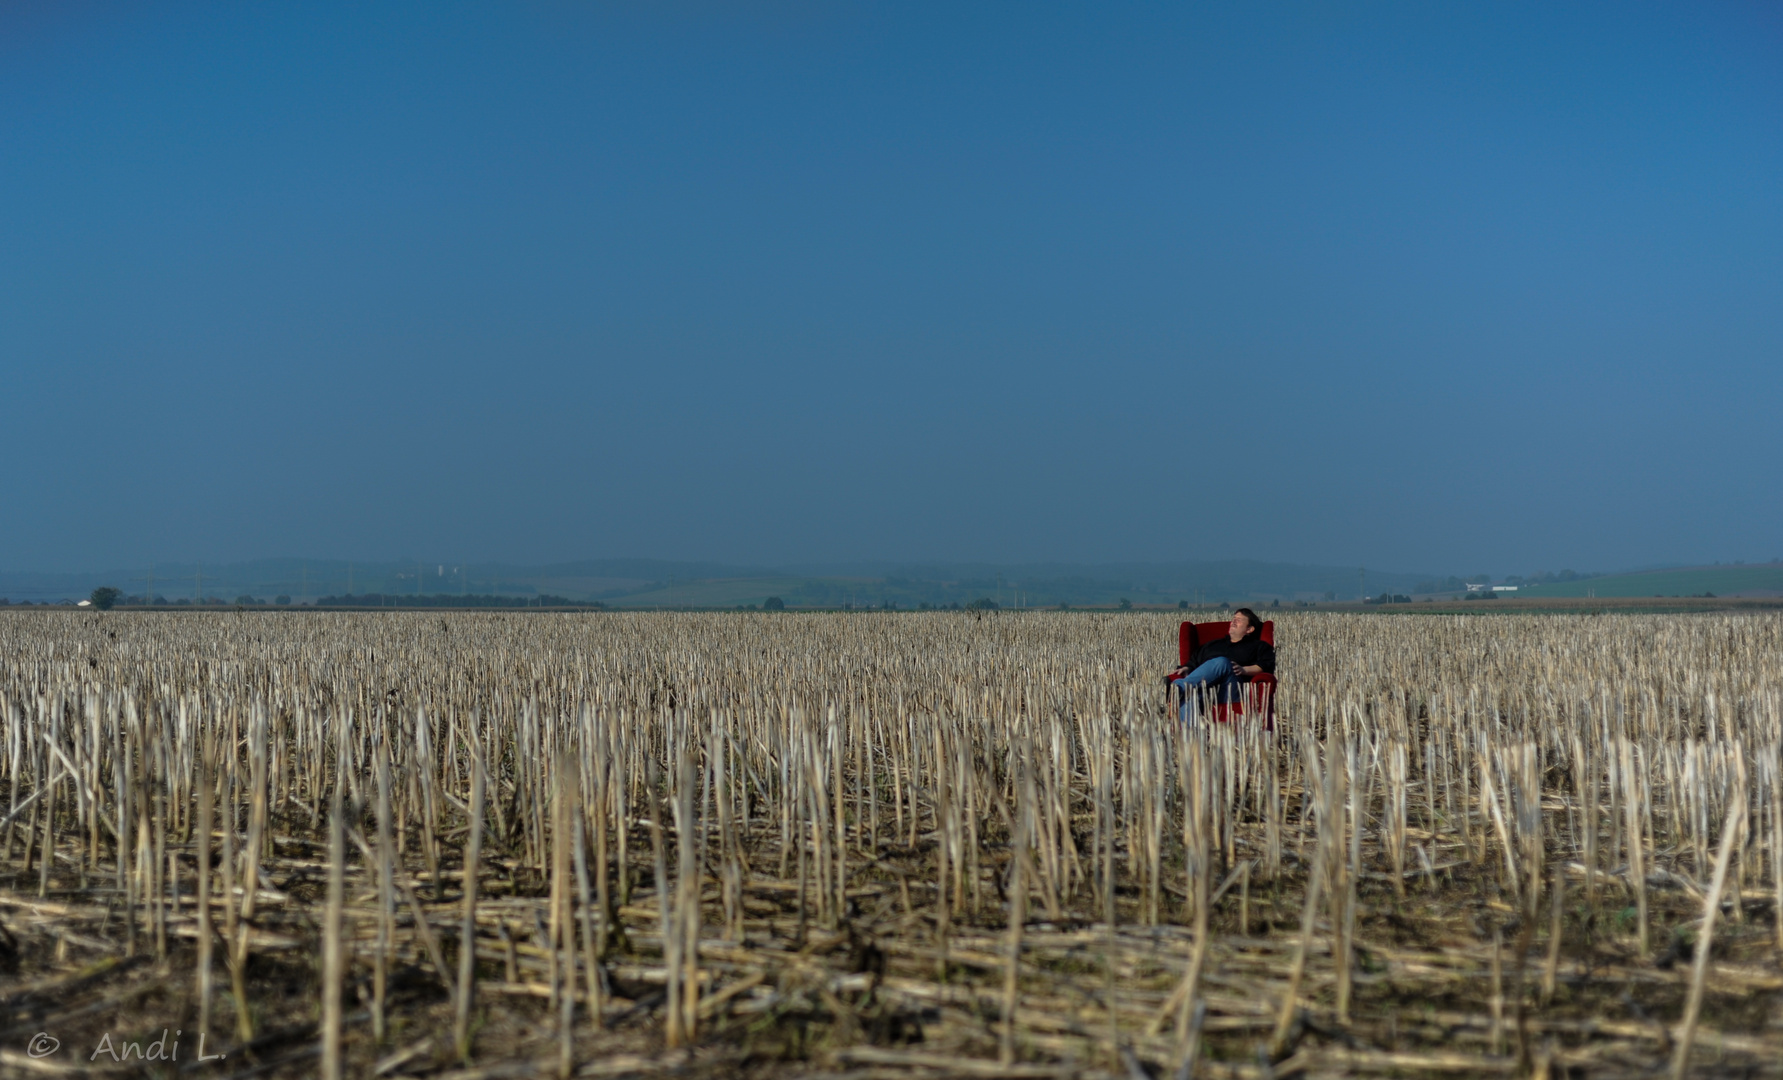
(874, 584)
(1760, 579)
(663, 583)
(649, 583)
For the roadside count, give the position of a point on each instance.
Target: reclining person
(1224, 665)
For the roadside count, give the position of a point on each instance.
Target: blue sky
(1435, 287)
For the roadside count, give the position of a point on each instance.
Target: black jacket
(1252, 650)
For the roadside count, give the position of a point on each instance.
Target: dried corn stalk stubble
(909, 842)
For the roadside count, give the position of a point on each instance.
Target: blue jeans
(1219, 675)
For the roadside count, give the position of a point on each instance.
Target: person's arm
(1265, 660)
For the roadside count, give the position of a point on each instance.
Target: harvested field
(886, 845)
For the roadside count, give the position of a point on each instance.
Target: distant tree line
(106, 597)
(450, 600)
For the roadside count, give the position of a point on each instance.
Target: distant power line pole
(1362, 580)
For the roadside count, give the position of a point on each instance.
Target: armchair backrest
(1194, 635)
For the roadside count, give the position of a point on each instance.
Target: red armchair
(1261, 688)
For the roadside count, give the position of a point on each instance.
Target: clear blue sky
(1423, 286)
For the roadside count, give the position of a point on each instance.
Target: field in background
(889, 846)
(1572, 605)
(1759, 580)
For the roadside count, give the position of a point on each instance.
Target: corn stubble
(920, 844)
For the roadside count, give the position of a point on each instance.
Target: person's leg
(1214, 671)
(1231, 690)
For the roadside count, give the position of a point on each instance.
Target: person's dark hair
(1251, 620)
